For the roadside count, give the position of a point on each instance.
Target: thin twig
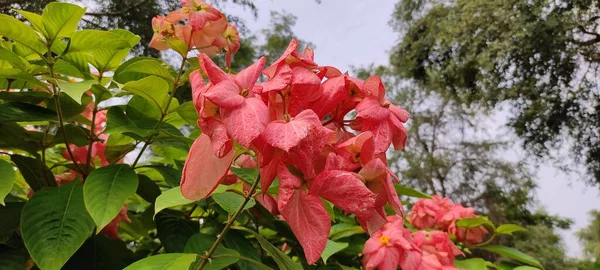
(229, 224)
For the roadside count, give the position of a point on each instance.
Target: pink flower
(112, 229)
(391, 247)
(438, 250)
(425, 213)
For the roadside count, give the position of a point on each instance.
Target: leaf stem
(229, 223)
(164, 112)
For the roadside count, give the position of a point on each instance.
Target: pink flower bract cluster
(298, 124)
(198, 25)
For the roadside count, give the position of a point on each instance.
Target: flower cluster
(198, 25)
(298, 124)
(442, 214)
(426, 249)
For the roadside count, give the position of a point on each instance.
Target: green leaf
(34, 19)
(509, 229)
(75, 90)
(8, 179)
(248, 175)
(14, 59)
(170, 198)
(513, 254)
(471, 264)
(172, 261)
(342, 230)
(140, 67)
(200, 243)
(10, 214)
(107, 60)
(61, 19)
(151, 88)
(13, 258)
(171, 175)
(21, 33)
(525, 268)
(105, 191)
(147, 189)
(332, 248)
(406, 191)
(474, 222)
(178, 45)
(139, 108)
(187, 112)
(54, 224)
(283, 261)
(237, 241)
(33, 97)
(17, 74)
(31, 169)
(174, 230)
(89, 41)
(231, 201)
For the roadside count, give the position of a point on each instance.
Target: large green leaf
(14, 59)
(105, 191)
(332, 248)
(248, 175)
(33, 97)
(200, 243)
(147, 189)
(76, 89)
(171, 261)
(61, 19)
(231, 201)
(140, 67)
(151, 88)
(10, 214)
(8, 179)
(35, 20)
(13, 258)
(171, 175)
(23, 112)
(54, 224)
(35, 175)
(237, 241)
(86, 45)
(101, 252)
(19, 32)
(187, 112)
(513, 254)
(174, 230)
(283, 261)
(475, 222)
(108, 60)
(170, 198)
(17, 74)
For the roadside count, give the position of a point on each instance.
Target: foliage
(590, 237)
(107, 169)
(540, 56)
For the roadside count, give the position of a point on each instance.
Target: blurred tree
(542, 56)
(278, 35)
(590, 237)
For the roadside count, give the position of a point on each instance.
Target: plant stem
(91, 139)
(229, 224)
(164, 113)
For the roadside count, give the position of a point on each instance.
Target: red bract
(391, 247)
(438, 250)
(426, 213)
(299, 129)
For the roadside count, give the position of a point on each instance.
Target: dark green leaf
(237, 241)
(187, 112)
(10, 214)
(24, 112)
(173, 230)
(283, 261)
(140, 67)
(54, 224)
(13, 258)
(17, 74)
(171, 175)
(147, 189)
(14, 136)
(31, 169)
(33, 97)
(200, 243)
(513, 254)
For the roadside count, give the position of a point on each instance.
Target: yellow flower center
(384, 240)
(185, 10)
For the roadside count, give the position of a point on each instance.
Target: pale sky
(355, 33)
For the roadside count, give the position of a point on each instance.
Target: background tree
(590, 237)
(540, 56)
